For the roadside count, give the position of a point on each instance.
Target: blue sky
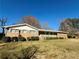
(46, 11)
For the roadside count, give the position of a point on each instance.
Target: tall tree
(2, 23)
(31, 21)
(70, 25)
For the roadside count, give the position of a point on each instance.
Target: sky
(45, 11)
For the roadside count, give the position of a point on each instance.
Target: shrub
(21, 39)
(28, 38)
(15, 39)
(1, 35)
(32, 38)
(6, 39)
(71, 36)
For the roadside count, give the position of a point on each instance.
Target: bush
(71, 36)
(28, 38)
(15, 39)
(1, 35)
(6, 39)
(22, 39)
(33, 38)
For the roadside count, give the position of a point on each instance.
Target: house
(52, 34)
(26, 30)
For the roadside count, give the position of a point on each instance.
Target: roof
(17, 25)
(52, 31)
(45, 30)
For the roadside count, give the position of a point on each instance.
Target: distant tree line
(70, 25)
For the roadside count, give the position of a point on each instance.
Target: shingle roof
(16, 25)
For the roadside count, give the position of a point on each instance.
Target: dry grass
(48, 49)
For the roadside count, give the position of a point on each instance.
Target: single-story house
(26, 30)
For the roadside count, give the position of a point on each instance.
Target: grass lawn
(47, 49)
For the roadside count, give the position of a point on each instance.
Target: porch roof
(52, 31)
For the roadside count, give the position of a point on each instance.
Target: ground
(47, 49)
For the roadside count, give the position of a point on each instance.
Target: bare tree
(3, 23)
(46, 26)
(31, 21)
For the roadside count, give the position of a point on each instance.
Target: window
(24, 31)
(14, 30)
(54, 33)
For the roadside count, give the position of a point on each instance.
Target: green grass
(47, 49)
